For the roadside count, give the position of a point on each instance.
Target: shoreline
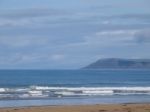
(126, 107)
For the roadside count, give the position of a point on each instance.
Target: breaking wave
(58, 92)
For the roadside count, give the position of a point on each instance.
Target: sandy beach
(83, 108)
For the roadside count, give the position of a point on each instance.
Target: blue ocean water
(61, 87)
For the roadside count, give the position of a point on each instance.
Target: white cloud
(20, 41)
(9, 22)
(143, 36)
(106, 22)
(30, 16)
(26, 58)
(30, 13)
(118, 37)
(116, 33)
(57, 57)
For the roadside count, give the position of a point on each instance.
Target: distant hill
(116, 63)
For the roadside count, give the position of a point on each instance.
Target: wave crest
(49, 92)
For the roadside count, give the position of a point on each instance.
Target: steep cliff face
(116, 63)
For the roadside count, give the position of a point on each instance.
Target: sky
(70, 34)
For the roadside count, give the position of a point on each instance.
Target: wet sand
(83, 108)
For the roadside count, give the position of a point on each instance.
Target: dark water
(76, 78)
(55, 87)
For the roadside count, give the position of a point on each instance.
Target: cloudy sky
(69, 34)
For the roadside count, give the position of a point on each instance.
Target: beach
(83, 108)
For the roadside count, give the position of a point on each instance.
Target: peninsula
(118, 63)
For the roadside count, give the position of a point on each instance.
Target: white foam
(2, 90)
(96, 90)
(24, 96)
(65, 93)
(35, 93)
(45, 91)
(22, 89)
(93, 88)
(108, 92)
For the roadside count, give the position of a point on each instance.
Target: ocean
(73, 87)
